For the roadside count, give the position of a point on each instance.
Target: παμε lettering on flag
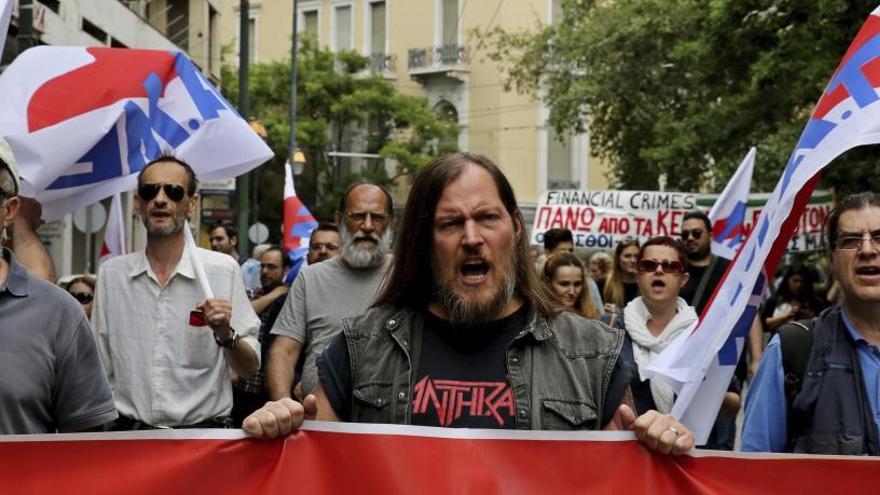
(728, 214)
(298, 226)
(83, 122)
(847, 115)
(5, 18)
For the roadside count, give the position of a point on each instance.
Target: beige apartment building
(425, 48)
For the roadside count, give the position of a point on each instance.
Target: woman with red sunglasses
(654, 319)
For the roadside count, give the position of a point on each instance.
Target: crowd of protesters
(386, 313)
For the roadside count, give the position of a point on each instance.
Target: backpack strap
(796, 344)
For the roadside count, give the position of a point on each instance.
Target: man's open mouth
(868, 270)
(474, 270)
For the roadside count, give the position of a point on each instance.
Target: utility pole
(242, 186)
(293, 47)
(25, 25)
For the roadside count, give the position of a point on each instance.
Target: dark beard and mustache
(471, 314)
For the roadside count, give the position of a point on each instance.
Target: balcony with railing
(383, 63)
(448, 60)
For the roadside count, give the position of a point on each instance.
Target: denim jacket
(559, 369)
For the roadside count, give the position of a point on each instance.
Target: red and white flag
(699, 364)
(728, 214)
(114, 232)
(298, 220)
(83, 122)
(5, 18)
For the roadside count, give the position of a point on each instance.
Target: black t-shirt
(462, 377)
(630, 292)
(689, 291)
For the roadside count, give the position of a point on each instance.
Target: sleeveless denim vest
(559, 369)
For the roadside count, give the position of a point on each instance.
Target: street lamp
(298, 160)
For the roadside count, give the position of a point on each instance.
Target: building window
(213, 40)
(252, 41)
(555, 11)
(449, 29)
(343, 37)
(53, 5)
(310, 23)
(94, 31)
(377, 27)
(177, 23)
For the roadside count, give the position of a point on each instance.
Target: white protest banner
(600, 218)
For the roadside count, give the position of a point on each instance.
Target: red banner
(331, 458)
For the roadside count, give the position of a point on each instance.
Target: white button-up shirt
(163, 371)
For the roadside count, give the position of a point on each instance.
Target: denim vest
(831, 414)
(559, 369)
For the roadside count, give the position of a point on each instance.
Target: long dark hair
(411, 281)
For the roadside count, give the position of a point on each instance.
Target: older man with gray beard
(325, 293)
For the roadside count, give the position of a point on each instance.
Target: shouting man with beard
(325, 293)
(464, 335)
(166, 367)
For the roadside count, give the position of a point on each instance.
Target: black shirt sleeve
(621, 376)
(334, 371)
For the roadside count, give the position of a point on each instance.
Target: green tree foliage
(340, 107)
(683, 88)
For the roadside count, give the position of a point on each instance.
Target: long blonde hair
(614, 291)
(584, 303)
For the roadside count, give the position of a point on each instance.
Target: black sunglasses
(173, 192)
(647, 265)
(82, 297)
(695, 233)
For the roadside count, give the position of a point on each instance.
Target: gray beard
(464, 314)
(364, 255)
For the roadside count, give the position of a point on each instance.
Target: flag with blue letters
(728, 214)
(83, 122)
(700, 363)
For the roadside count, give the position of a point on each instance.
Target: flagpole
(242, 185)
(293, 74)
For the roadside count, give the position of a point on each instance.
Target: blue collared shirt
(764, 427)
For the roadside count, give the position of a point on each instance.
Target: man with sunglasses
(325, 293)
(817, 390)
(166, 349)
(50, 375)
(704, 269)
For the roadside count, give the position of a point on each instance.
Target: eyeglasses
(82, 297)
(174, 192)
(695, 233)
(646, 265)
(855, 241)
(325, 245)
(361, 217)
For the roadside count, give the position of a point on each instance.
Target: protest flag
(728, 214)
(700, 363)
(5, 19)
(298, 226)
(83, 122)
(114, 231)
